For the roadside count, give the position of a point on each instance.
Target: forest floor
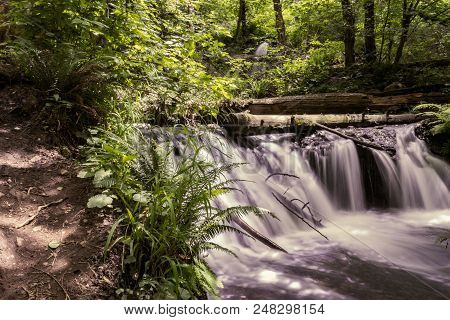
(36, 180)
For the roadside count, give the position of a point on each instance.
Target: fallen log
(311, 104)
(406, 100)
(333, 120)
(341, 103)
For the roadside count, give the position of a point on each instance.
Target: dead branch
(29, 220)
(281, 174)
(56, 280)
(299, 216)
(257, 235)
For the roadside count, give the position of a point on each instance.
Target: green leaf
(84, 174)
(99, 201)
(141, 197)
(101, 174)
(53, 244)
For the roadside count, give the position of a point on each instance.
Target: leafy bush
(169, 221)
(440, 125)
(302, 74)
(75, 87)
(288, 73)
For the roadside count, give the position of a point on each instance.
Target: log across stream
(330, 110)
(341, 103)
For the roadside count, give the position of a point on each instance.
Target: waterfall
(262, 49)
(390, 176)
(421, 185)
(340, 173)
(368, 247)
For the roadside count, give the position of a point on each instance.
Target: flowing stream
(382, 216)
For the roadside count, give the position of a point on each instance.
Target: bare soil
(35, 173)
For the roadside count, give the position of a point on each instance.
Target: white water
(370, 254)
(262, 49)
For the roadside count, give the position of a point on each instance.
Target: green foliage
(160, 49)
(441, 121)
(169, 222)
(302, 75)
(75, 88)
(286, 75)
(310, 21)
(441, 113)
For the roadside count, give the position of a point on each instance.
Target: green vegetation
(101, 67)
(185, 57)
(440, 123)
(168, 221)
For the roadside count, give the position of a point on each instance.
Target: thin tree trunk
(383, 35)
(389, 52)
(4, 30)
(369, 31)
(408, 16)
(241, 28)
(349, 32)
(279, 22)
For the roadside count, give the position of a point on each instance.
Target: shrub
(440, 125)
(75, 87)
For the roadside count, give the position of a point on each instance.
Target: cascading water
(340, 171)
(370, 253)
(421, 185)
(384, 250)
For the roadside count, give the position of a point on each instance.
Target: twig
(300, 217)
(36, 194)
(306, 205)
(56, 280)
(282, 174)
(29, 220)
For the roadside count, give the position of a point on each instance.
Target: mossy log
(310, 104)
(332, 120)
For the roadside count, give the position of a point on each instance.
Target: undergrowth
(439, 124)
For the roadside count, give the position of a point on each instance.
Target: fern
(169, 220)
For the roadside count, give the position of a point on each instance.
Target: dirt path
(34, 174)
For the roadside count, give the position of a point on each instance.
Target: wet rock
(384, 136)
(19, 241)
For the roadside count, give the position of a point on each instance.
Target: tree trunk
(369, 31)
(279, 22)
(349, 32)
(4, 29)
(383, 35)
(408, 16)
(241, 28)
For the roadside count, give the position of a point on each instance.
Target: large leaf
(99, 201)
